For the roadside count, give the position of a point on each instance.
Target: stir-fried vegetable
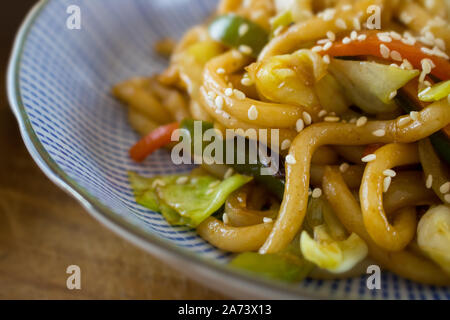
(433, 235)
(289, 78)
(371, 46)
(205, 51)
(336, 256)
(156, 139)
(371, 86)
(235, 31)
(282, 266)
(185, 200)
(273, 183)
(331, 96)
(283, 19)
(437, 92)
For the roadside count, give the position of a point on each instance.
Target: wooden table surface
(43, 230)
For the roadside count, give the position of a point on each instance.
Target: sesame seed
(429, 182)
(327, 46)
(225, 219)
(246, 81)
(245, 49)
(239, 94)
(290, 159)
(219, 102)
(267, 220)
(285, 144)
(346, 7)
(361, 121)
(214, 184)
(362, 37)
(299, 125)
(157, 183)
(353, 35)
(445, 188)
(379, 133)
(252, 113)
(229, 92)
(384, 51)
(344, 167)
(414, 115)
(316, 49)
(243, 29)
(332, 119)
(386, 183)
(340, 23)
(389, 173)
(322, 113)
(331, 35)
(447, 198)
(369, 158)
(406, 64)
(220, 71)
(383, 37)
(392, 95)
(346, 40)
(395, 55)
(326, 59)
(307, 118)
(404, 121)
(316, 193)
(182, 180)
(327, 14)
(395, 35)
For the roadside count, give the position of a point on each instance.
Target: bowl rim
(211, 274)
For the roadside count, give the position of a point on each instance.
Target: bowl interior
(65, 76)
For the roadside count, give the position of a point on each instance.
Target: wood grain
(43, 230)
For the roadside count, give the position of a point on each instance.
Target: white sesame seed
(427, 83)
(225, 219)
(346, 40)
(220, 71)
(383, 37)
(361, 121)
(414, 115)
(327, 14)
(429, 182)
(344, 167)
(346, 7)
(316, 193)
(362, 37)
(246, 81)
(214, 184)
(243, 29)
(395, 55)
(386, 183)
(404, 121)
(445, 188)
(389, 173)
(252, 113)
(326, 59)
(322, 113)
(290, 159)
(353, 35)
(182, 180)
(211, 95)
(239, 94)
(299, 125)
(245, 49)
(229, 92)
(332, 119)
(267, 220)
(392, 95)
(285, 144)
(395, 35)
(327, 45)
(369, 158)
(331, 35)
(219, 102)
(316, 49)
(340, 23)
(379, 133)
(307, 118)
(384, 51)
(407, 65)
(228, 173)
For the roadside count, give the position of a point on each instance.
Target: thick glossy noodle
(234, 239)
(396, 236)
(293, 208)
(403, 263)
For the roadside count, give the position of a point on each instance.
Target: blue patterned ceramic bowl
(59, 84)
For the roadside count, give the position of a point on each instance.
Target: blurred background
(43, 230)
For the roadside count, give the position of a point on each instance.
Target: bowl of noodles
(266, 148)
